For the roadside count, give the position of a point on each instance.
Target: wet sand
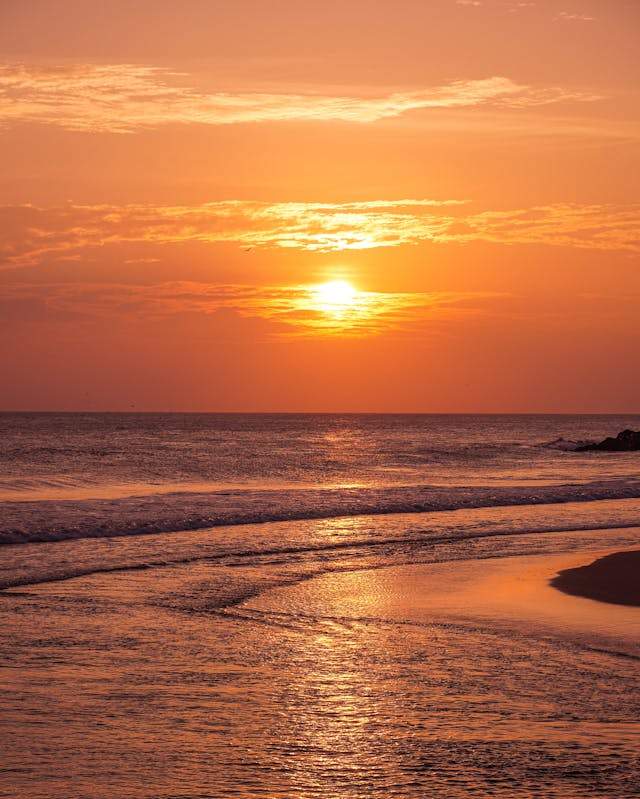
(615, 578)
(516, 593)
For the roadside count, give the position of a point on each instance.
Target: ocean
(210, 605)
(67, 476)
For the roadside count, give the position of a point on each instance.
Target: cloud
(297, 310)
(594, 227)
(565, 16)
(30, 235)
(123, 98)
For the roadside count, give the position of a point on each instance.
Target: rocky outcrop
(626, 441)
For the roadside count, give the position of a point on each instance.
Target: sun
(335, 296)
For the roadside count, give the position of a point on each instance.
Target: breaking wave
(57, 520)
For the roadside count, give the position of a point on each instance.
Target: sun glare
(336, 296)
(338, 307)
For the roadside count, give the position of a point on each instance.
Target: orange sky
(178, 180)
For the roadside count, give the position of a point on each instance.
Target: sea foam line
(59, 520)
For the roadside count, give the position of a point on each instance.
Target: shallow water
(198, 680)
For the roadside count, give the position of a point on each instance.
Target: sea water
(144, 656)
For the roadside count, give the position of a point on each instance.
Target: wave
(566, 445)
(296, 559)
(58, 520)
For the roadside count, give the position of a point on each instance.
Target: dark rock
(613, 578)
(626, 441)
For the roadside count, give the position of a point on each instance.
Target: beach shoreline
(517, 592)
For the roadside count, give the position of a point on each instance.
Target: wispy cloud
(123, 98)
(594, 227)
(296, 310)
(31, 235)
(566, 16)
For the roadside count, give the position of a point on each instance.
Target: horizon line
(131, 412)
